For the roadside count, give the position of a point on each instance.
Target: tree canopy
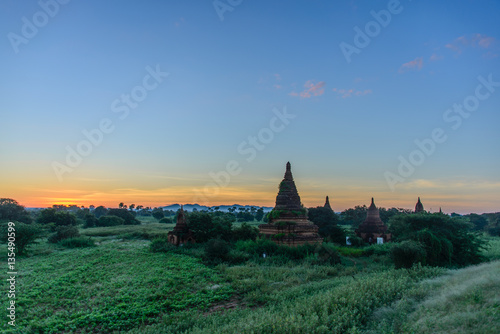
(447, 241)
(11, 210)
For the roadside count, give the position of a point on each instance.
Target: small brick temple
(373, 227)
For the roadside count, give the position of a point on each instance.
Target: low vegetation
(127, 278)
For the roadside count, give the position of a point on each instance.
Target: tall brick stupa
(287, 222)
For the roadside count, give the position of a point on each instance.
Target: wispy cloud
(416, 63)
(475, 40)
(311, 89)
(435, 57)
(345, 93)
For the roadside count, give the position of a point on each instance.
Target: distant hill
(223, 208)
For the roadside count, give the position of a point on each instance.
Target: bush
(158, 214)
(258, 247)
(216, 250)
(245, 232)
(325, 219)
(237, 257)
(160, 245)
(59, 218)
(90, 221)
(376, 249)
(24, 234)
(77, 242)
(356, 241)
(204, 227)
(327, 253)
(166, 221)
(447, 241)
(11, 211)
(64, 232)
(128, 218)
(407, 253)
(110, 221)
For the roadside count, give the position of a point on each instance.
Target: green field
(120, 286)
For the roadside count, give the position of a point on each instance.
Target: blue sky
(226, 81)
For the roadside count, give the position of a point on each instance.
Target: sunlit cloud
(415, 64)
(475, 40)
(311, 89)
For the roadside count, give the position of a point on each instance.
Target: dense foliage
(206, 226)
(128, 217)
(327, 220)
(23, 234)
(64, 232)
(110, 221)
(11, 210)
(447, 241)
(59, 218)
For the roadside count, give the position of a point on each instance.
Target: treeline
(432, 239)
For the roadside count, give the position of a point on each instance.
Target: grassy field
(119, 286)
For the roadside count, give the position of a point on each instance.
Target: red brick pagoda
(373, 227)
(181, 233)
(419, 207)
(288, 224)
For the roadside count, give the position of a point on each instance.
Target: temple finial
(327, 203)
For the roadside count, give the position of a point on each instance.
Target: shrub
(327, 253)
(326, 220)
(158, 214)
(448, 241)
(160, 245)
(24, 234)
(90, 221)
(11, 211)
(356, 241)
(237, 257)
(351, 251)
(204, 227)
(165, 220)
(77, 242)
(258, 247)
(216, 250)
(110, 221)
(376, 249)
(245, 232)
(407, 253)
(59, 218)
(125, 215)
(64, 232)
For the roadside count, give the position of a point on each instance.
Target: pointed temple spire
(327, 204)
(288, 197)
(288, 224)
(181, 233)
(419, 207)
(373, 227)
